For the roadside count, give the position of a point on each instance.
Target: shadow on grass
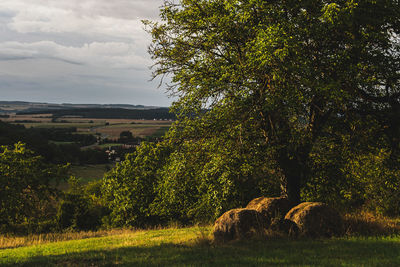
(331, 252)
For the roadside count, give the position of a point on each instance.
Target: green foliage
(291, 95)
(125, 135)
(129, 187)
(27, 187)
(201, 180)
(41, 141)
(108, 113)
(81, 207)
(285, 72)
(187, 182)
(376, 184)
(281, 70)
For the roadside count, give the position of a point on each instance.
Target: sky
(78, 51)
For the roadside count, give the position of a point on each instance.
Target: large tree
(278, 72)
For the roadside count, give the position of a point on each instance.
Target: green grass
(62, 142)
(88, 173)
(107, 145)
(189, 247)
(161, 131)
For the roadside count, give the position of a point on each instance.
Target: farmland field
(110, 128)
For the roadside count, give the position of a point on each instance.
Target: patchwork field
(108, 128)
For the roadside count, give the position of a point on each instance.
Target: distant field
(110, 128)
(193, 247)
(40, 117)
(89, 173)
(160, 131)
(62, 142)
(82, 125)
(107, 145)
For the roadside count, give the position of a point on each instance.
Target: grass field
(88, 173)
(193, 247)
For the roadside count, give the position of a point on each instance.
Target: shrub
(27, 188)
(128, 189)
(80, 208)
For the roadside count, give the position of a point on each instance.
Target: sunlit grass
(8, 241)
(193, 247)
(369, 224)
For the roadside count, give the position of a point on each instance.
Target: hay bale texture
(316, 219)
(273, 208)
(285, 226)
(238, 224)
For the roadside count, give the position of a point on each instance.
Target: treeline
(112, 113)
(56, 145)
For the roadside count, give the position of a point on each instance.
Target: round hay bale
(238, 224)
(285, 226)
(316, 219)
(271, 207)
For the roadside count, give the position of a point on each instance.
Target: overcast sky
(77, 51)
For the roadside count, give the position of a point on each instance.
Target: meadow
(193, 246)
(90, 172)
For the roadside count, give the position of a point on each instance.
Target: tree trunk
(292, 184)
(295, 170)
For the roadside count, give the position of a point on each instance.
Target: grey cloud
(92, 51)
(65, 89)
(6, 14)
(68, 61)
(13, 57)
(112, 54)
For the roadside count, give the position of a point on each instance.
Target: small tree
(27, 185)
(125, 135)
(128, 189)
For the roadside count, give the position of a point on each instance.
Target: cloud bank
(79, 46)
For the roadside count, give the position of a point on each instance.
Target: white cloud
(110, 54)
(126, 9)
(69, 49)
(112, 18)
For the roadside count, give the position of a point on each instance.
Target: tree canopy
(295, 98)
(287, 76)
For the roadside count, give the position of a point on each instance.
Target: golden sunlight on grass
(39, 239)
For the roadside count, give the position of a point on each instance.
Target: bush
(369, 179)
(128, 189)
(78, 213)
(27, 189)
(80, 208)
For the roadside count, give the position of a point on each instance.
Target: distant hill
(109, 113)
(23, 106)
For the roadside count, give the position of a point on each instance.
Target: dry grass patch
(369, 224)
(149, 131)
(39, 239)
